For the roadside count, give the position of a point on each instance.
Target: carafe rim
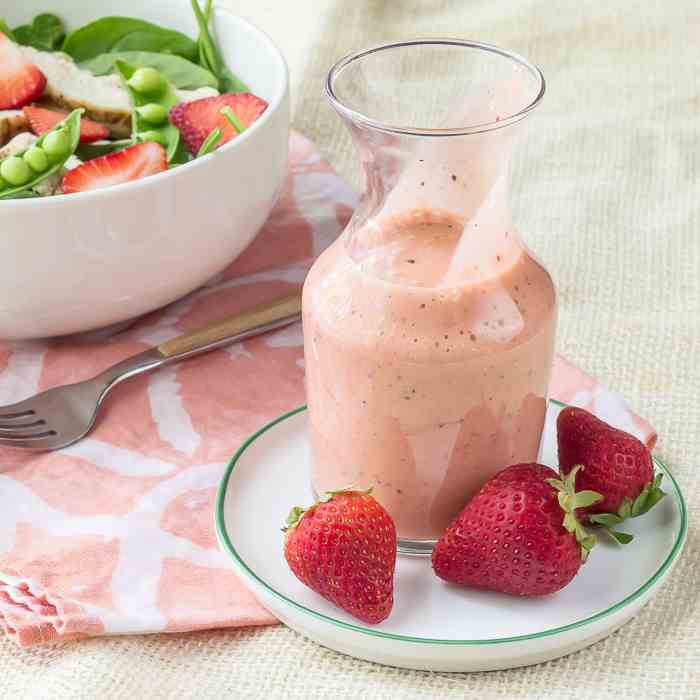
(358, 117)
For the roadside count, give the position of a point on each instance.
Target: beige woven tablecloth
(607, 191)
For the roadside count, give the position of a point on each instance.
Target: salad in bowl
(140, 154)
(112, 101)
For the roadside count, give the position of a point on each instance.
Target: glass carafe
(428, 325)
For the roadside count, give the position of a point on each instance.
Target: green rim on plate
(228, 546)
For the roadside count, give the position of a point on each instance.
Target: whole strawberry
(617, 465)
(519, 534)
(344, 548)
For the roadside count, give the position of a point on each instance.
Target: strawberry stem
(569, 500)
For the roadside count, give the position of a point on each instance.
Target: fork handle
(254, 321)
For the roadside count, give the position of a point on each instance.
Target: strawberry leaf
(583, 499)
(347, 489)
(608, 521)
(652, 494)
(295, 515)
(569, 501)
(605, 519)
(570, 522)
(620, 537)
(564, 501)
(625, 509)
(587, 544)
(297, 512)
(652, 499)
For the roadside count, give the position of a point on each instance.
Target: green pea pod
(71, 124)
(25, 194)
(166, 98)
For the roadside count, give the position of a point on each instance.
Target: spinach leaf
(168, 132)
(181, 156)
(95, 149)
(183, 74)
(209, 54)
(111, 34)
(228, 82)
(45, 33)
(5, 29)
(72, 126)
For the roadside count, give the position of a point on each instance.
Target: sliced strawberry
(41, 119)
(20, 82)
(133, 163)
(197, 119)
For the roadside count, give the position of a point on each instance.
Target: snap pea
(36, 159)
(70, 127)
(57, 144)
(153, 135)
(24, 194)
(147, 81)
(166, 99)
(153, 113)
(15, 171)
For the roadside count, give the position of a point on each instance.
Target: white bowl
(83, 261)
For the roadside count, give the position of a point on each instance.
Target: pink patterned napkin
(115, 535)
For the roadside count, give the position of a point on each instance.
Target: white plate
(435, 626)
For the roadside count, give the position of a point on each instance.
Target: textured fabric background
(607, 191)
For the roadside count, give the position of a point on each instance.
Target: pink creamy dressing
(416, 387)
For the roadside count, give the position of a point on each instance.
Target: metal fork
(63, 415)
